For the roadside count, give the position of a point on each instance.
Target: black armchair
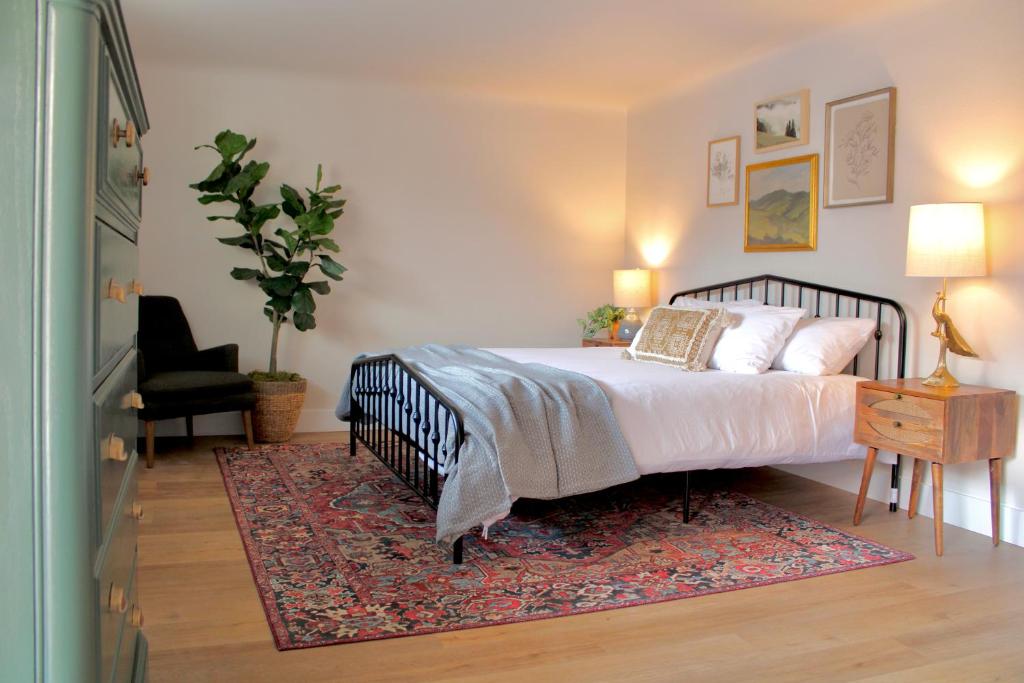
(176, 379)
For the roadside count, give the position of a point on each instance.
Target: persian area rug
(341, 551)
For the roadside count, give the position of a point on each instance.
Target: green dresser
(74, 122)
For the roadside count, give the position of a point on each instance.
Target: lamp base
(629, 326)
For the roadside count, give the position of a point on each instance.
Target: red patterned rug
(342, 551)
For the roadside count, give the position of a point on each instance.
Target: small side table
(604, 342)
(936, 425)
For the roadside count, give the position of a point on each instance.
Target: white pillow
(824, 346)
(750, 344)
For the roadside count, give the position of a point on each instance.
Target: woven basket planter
(278, 405)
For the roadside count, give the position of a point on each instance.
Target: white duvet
(675, 421)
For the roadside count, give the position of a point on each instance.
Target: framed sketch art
(782, 205)
(724, 172)
(860, 133)
(782, 121)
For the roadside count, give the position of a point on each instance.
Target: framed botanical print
(724, 172)
(782, 205)
(782, 121)
(860, 136)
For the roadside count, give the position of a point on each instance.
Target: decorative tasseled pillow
(679, 336)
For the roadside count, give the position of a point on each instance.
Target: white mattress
(675, 421)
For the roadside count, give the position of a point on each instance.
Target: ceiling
(601, 53)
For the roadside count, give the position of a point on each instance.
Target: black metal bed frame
(409, 425)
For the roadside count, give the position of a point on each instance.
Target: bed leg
(457, 551)
(894, 484)
(686, 498)
(352, 435)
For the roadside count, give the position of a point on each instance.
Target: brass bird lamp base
(949, 339)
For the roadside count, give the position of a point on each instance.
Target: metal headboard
(890, 321)
(890, 318)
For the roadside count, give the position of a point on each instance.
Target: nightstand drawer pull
(899, 397)
(117, 601)
(897, 424)
(112, 448)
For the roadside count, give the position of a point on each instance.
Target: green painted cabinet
(71, 153)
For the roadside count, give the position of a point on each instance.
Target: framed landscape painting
(782, 205)
(724, 172)
(782, 121)
(860, 136)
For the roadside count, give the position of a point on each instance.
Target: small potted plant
(605, 317)
(286, 258)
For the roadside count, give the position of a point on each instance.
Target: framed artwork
(860, 137)
(724, 172)
(782, 205)
(782, 121)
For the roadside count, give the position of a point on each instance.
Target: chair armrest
(219, 358)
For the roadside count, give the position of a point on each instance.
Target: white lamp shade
(946, 240)
(632, 288)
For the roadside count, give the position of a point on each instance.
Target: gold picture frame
(774, 116)
(860, 149)
(723, 186)
(774, 189)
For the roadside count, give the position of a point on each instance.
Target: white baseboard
(959, 509)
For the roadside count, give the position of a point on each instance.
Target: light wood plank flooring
(955, 618)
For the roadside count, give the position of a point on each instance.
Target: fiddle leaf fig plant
(601, 318)
(288, 256)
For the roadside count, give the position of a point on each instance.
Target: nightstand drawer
(117, 294)
(900, 422)
(114, 406)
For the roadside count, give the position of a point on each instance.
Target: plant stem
(273, 343)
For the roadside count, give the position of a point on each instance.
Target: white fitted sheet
(675, 421)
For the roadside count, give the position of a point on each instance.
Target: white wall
(469, 220)
(959, 70)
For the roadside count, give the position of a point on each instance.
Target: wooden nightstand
(940, 426)
(604, 342)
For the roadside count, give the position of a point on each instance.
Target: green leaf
(334, 214)
(316, 222)
(244, 273)
(211, 198)
(330, 267)
(288, 238)
(298, 269)
(240, 241)
(303, 321)
(293, 205)
(220, 218)
(269, 312)
(302, 301)
(330, 190)
(275, 262)
(319, 175)
(320, 286)
(230, 143)
(280, 286)
(280, 304)
(328, 244)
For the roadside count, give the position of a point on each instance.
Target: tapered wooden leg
(190, 430)
(915, 487)
(865, 480)
(995, 479)
(247, 424)
(150, 443)
(937, 504)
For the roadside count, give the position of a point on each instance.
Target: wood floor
(955, 618)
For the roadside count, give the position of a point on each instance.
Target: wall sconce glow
(981, 174)
(655, 251)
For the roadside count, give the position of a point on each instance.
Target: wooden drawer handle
(117, 602)
(132, 399)
(899, 397)
(138, 620)
(136, 287)
(117, 133)
(136, 512)
(897, 424)
(142, 176)
(113, 449)
(116, 291)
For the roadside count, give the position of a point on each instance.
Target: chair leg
(247, 423)
(150, 443)
(190, 430)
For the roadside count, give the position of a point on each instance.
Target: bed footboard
(407, 424)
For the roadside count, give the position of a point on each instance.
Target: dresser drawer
(117, 294)
(114, 406)
(120, 152)
(900, 422)
(124, 665)
(115, 586)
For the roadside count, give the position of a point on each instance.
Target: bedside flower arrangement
(601, 318)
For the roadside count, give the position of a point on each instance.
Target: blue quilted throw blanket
(532, 431)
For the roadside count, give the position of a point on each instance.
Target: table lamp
(946, 240)
(631, 290)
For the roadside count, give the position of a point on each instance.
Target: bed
(672, 421)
